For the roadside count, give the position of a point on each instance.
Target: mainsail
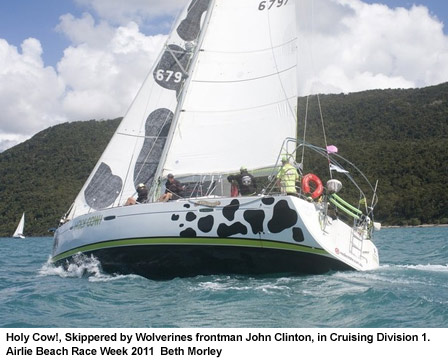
(241, 99)
(222, 94)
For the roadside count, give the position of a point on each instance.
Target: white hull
(217, 235)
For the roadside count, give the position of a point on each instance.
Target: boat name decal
(90, 221)
(350, 258)
(207, 203)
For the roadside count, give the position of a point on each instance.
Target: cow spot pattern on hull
(205, 224)
(255, 218)
(283, 217)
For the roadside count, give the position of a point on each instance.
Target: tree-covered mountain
(43, 175)
(399, 137)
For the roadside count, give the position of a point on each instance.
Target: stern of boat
(350, 243)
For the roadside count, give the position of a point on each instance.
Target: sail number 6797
(268, 4)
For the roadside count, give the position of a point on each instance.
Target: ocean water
(410, 289)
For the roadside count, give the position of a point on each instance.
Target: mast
(159, 171)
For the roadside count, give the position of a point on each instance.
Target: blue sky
(69, 60)
(21, 19)
(436, 7)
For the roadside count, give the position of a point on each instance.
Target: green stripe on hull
(191, 241)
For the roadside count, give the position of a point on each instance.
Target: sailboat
(221, 95)
(19, 231)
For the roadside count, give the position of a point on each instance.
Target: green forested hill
(43, 175)
(399, 137)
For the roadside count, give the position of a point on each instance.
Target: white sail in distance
(19, 230)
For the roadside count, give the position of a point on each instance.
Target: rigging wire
(313, 71)
(325, 135)
(286, 98)
(304, 131)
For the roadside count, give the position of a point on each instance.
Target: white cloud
(353, 46)
(30, 93)
(84, 30)
(103, 78)
(345, 46)
(121, 12)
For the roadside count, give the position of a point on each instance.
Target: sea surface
(410, 289)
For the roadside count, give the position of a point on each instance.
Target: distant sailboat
(19, 231)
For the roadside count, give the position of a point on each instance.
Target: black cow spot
(230, 210)
(297, 234)
(255, 218)
(205, 224)
(181, 225)
(157, 127)
(170, 71)
(190, 216)
(189, 28)
(187, 206)
(103, 189)
(283, 217)
(268, 200)
(189, 232)
(174, 217)
(236, 228)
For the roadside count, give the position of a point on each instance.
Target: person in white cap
(142, 192)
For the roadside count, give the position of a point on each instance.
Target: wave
(427, 267)
(421, 267)
(82, 266)
(389, 274)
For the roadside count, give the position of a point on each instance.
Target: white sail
(133, 154)
(19, 231)
(241, 100)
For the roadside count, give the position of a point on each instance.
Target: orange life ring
(317, 183)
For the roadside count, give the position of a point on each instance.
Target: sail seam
(251, 79)
(252, 51)
(241, 109)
